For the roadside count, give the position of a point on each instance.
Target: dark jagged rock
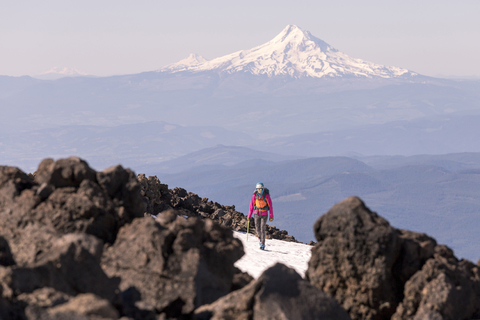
(31, 216)
(279, 293)
(12, 182)
(81, 307)
(376, 271)
(70, 172)
(67, 266)
(159, 198)
(6, 258)
(52, 228)
(156, 195)
(444, 288)
(240, 279)
(353, 259)
(177, 264)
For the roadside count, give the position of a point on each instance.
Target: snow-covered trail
(255, 261)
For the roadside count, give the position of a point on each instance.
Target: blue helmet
(260, 188)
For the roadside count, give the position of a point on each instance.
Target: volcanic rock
(81, 307)
(376, 271)
(53, 225)
(30, 217)
(279, 293)
(67, 267)
(177, 265)
(444, 288)
(361, 260)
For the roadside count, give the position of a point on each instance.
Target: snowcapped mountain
(58, 72)
(192, 60)
(293, 52)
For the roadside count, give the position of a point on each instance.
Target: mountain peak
(293, 52)
(60, 72)
(192, 60)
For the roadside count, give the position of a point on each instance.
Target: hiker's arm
(252, 204)
(270, 206)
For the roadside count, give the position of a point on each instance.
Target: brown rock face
(378, 272)
(177, 266)
(360, 260)
(52, 231)
(65, 197)
(444, 288)
(279, 293)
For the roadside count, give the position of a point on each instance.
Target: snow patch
(255, 261)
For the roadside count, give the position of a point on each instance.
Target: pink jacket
(252, 205)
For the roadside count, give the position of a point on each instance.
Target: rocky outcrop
(53, 226)
(177, 265)
(445, 288)
(159, 198)
(74, 244)
(376, 271)
(279, 293)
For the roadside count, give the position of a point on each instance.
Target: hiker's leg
(258, 226)
(264, 226)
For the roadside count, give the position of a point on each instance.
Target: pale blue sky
(106, 37)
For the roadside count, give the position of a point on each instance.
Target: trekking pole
(248, 226)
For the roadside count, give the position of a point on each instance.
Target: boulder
(53, 225)
(70, 172)
(279, 293)
(12, 182)
(378, 272)
(66, 196)
(364, 262)
(176, 264)
(67, 266)
(444, 288)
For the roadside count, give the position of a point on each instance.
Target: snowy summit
(60, 72)
(294, 52)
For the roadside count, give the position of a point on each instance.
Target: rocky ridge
(76, 244)
(159, 198)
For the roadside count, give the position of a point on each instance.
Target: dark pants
(260, 224)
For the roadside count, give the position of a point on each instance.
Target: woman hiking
(261, 204)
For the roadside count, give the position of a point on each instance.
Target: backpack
(261, 203)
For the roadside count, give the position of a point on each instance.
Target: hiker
(261, 203)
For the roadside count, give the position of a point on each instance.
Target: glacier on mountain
(294, 52)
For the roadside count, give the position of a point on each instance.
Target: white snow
(192, 60)
(255, 261)
(293, 52)
(71, 72)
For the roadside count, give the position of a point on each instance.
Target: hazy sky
(106, 37)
